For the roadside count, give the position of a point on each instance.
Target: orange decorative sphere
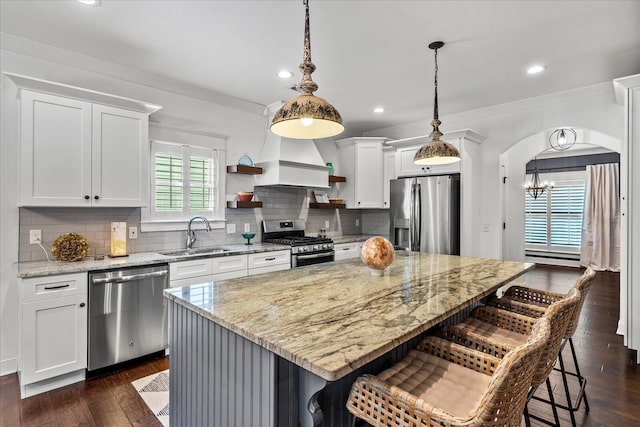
(377, 253)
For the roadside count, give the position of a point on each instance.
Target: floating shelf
(327, 205)
(336, 178)
(237, 204)
(246, 170)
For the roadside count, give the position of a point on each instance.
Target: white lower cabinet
(266, 262)
(185, 273)
(54, 332)
(347, 250)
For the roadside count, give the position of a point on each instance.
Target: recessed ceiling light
(90, 2)
(535, 69)
(284, 74)
(378, 110)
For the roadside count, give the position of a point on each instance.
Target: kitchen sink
(198, 251)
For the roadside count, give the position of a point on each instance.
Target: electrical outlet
(247, 227)
(327, 225)
(485, 227)
(231, 228)
(357, 222)
(133, 232)
(35, 237)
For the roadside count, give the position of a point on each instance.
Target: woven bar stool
(497, 331)
(542, 299)
(449, 384)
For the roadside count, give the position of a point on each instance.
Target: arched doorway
(513, 163)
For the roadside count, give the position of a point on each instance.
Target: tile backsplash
(278, 202)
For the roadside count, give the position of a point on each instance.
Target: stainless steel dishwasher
(127, 314)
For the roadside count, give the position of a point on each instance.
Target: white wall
(592, 107)
(243, 124)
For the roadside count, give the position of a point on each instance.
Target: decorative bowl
(377, 253)
(245, 196)
(248, 236)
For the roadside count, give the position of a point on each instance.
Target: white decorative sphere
(377, 253)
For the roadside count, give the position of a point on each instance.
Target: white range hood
(290, 162)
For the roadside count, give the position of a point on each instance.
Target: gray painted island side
(282, 349)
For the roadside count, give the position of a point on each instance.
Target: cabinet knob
(82, 304)
(358, 202)
(86, 197)
(96, 197)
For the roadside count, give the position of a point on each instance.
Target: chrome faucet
(191, 234)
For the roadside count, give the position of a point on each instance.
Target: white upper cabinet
(120, 157)
(362, 163)
(78, 151)
(406, 167)
(388, 173)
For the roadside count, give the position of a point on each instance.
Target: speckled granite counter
(46, 268)
(333, 318)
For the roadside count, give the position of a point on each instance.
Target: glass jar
(330, 166)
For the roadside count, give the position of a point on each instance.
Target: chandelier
(436, 152)
(307, 116)
(535, 188)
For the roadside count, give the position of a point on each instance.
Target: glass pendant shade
(436, 152)
(307, 116)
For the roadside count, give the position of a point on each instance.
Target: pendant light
(307, 116)
(436, 152)
(562, 139)
(535, 188)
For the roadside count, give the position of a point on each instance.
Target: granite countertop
(46, 268)
(333, 318)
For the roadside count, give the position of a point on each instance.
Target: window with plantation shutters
(553, 221)
(184, 181)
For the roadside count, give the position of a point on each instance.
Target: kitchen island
(282, 349)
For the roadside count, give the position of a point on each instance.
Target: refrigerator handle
(416, 215)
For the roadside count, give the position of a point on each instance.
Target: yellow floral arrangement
(70, 247)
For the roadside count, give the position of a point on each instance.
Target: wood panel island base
(282, 349)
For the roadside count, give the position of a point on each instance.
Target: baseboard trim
(8, 366)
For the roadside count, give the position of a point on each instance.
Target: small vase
(330, 166)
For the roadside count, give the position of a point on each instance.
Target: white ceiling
(367, 53)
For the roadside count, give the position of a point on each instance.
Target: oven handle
(121, 279)
(322, 255)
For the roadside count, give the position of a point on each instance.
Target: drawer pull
(49, 288)
(270, 259)
(346, 249)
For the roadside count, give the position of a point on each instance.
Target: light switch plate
(485, 227)
(357, 222)
(231, 228)
(247, 227)
(326, 224)
(133, 232)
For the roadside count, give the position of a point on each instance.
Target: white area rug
(154, 390)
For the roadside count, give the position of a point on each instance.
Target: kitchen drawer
(266, 259)
(42, 288)
(225, 264)
(347, 250)
(192, 268)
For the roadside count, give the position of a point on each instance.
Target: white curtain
(600, 248)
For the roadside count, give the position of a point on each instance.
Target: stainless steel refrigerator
(425, 214)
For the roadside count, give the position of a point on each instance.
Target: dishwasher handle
(129, 278)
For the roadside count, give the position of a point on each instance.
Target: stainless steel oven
(303, 259)
(305, 250)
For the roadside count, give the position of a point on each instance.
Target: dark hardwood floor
(613, 386)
